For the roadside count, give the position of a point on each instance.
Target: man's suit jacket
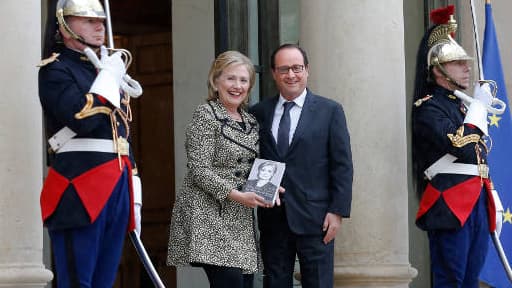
(318, 175)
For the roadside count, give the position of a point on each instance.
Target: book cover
(265, 179)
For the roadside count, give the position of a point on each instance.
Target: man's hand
(278, 198)
(108, 81)
(483, 93)
(332, 223)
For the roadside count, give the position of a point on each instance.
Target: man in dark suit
(309, 133)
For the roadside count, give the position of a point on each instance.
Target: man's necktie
(283, 133)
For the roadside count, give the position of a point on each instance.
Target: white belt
(93, 145)
(445, 165)
(60, 138)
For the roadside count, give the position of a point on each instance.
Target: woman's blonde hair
(221, 62)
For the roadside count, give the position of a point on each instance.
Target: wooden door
(152, 133)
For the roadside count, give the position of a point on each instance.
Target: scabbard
(146, 261)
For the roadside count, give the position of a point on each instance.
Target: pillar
(21, 162)
(356, 51)
(193, 53)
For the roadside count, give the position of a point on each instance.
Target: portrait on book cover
(265, 178)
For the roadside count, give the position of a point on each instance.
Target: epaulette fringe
(420, 101)
(49, 60)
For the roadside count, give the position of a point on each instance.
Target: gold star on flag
(507, 216)
(494, 120)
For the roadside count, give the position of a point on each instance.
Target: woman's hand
(249, 199)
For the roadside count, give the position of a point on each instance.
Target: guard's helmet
(442, 47)
(436, 48)
(80, 8)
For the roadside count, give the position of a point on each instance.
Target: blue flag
(500, 157)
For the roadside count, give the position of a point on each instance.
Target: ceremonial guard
(450, 157)
(91, 196)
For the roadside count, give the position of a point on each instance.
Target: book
(265, 178)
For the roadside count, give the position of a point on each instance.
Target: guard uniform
(457, 210)
(438, 130)
(450, 160)
(86, 198)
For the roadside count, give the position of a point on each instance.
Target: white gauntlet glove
(131, 86)
(137, 203)
(477, 111)
(108, 81)
(483, 93)
(499, 211)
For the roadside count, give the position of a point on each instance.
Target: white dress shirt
(294, 114)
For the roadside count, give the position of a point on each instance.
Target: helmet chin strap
(81, 40)
(449, 78)
(75, 36)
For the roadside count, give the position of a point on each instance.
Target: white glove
(137, 203)
(499, 211)
(477, 110)
(108, 81)
(499, 222)
(138, 217)
(131, 86)
(483, 93)
(477, 115)
(128, 85)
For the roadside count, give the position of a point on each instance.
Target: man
(86, 200)
(310, 135)
(450, 157)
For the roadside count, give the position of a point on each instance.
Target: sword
(502, 255)
(146, 261)
(495, 238)
(110, 35)
(129, 85)
(497, 106)
(133, 88)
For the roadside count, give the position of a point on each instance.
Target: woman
(212, 222)
(263, 183)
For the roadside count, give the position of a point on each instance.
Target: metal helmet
(442, 47)
(80, 8)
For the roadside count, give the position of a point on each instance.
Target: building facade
(362, 54)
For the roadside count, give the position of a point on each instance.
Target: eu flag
(500, 157)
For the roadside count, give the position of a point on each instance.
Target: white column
(193, 53)
(356, 51)
(21, 163)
